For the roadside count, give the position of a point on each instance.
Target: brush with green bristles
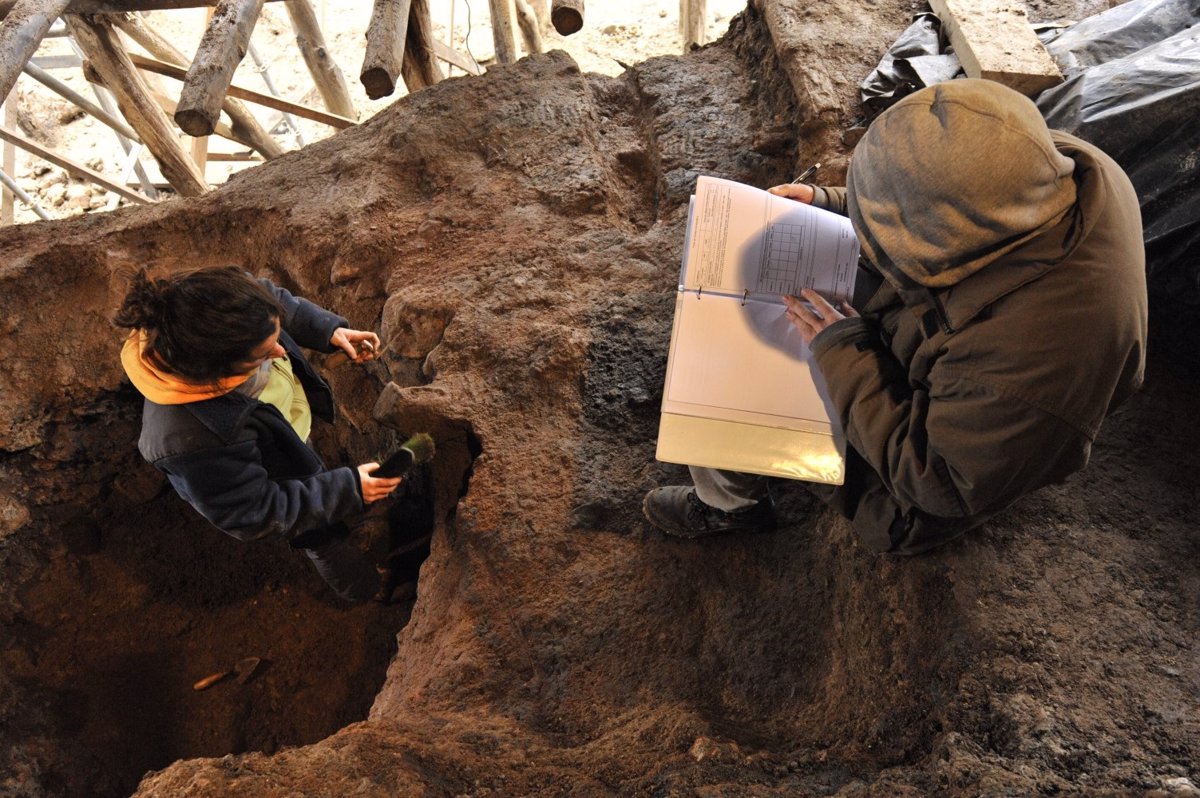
(416, 451)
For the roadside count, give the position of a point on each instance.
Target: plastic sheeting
(914, 61)
(1133, 90)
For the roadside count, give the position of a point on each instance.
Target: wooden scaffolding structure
(400, 46)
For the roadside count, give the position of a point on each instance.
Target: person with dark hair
(229, 404)
(1007, 317)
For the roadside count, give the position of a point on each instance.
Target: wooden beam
(325, 72)
(20, 34)
(387, 34)
(531, 32)
(77, 169)
(566, 16)
(502, 30)
(221, 50)
(244, 125)
(419, 66)
(63, 90)
(994, 40)
(460, 60)
(100, 44)
(171, 71)
(119, 6)
(691, 23)
(541, 10)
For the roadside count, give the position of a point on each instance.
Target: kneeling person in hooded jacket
(1009, 318)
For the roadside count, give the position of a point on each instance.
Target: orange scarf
(167, 389)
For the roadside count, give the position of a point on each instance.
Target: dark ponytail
(199, 324)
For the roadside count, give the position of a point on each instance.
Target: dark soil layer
(516, 239)
(133, 603)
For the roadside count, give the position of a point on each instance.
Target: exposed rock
(517, 238)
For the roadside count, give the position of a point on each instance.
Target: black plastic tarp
(916, 59)
(1133, 89)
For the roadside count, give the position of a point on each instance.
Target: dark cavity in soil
(136, 602)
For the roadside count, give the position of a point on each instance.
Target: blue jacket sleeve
(229, 486)
(310, 325)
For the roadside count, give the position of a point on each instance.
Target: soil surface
(516, 240)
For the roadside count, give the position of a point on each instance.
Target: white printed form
(744, 239)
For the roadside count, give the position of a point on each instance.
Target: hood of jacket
(953, 177)
(162, 387)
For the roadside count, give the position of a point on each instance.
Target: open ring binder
(740, 392)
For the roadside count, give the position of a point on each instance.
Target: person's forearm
(884, 418)
(830, 198)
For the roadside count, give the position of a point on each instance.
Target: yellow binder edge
(752, 449)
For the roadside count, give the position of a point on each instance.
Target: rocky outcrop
(516, 237)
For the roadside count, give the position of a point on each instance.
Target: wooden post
(567, 16)
(100, 44)
(502, 30)
(530, 27)
(691, 23)
(419, 65)
(220, 51)
(384, 56)
(20, 34)
(8, 161)
(245, 126)
(325, 73)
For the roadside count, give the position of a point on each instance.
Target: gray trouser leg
(728, 490)
(345, 569)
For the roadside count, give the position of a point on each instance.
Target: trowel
(244, 670)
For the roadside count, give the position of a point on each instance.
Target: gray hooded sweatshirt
(1010, 320)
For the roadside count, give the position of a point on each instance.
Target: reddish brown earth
(516, 239)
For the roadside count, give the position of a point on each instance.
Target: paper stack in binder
(741, 391)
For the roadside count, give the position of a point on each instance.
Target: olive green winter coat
(1011, 319)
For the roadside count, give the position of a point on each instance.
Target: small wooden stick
(460, 60)
(63, 90)
(220, 51)
(210, 680)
